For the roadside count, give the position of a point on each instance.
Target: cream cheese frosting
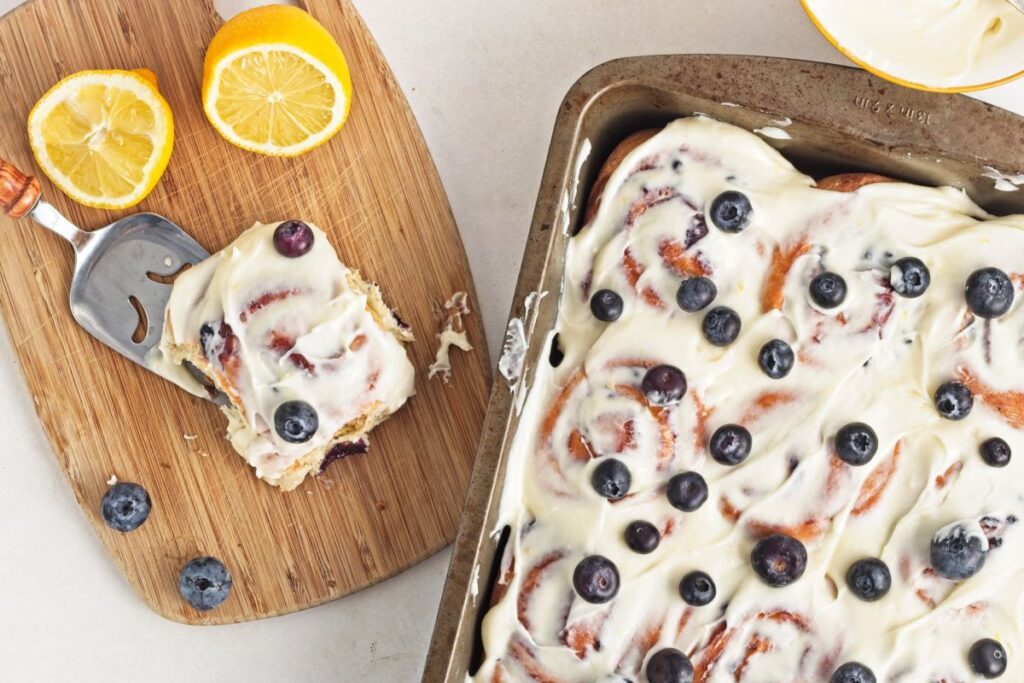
(267, 329)
(936, 43)
(877, 358)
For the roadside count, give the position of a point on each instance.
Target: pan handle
(19, 193)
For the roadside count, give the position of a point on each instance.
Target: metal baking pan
(843, 119)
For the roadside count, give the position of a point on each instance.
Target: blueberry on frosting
(664, 385)
(731, 211)
(828, 290)
(721, 326)
(596, 579)
(989, 293)
(779, 560)
(606, 305)
(954, 400)
(958, 550)
(910, 277)
(987, 658)
(696, 294)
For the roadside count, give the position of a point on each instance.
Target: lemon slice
(276, 82)
(103, 137)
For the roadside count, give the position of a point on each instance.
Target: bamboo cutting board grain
(375, 190)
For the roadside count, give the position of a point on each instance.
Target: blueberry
(125, 506)
(204, 583)
(293, 239)
(730, 444)
(828, 290)
(642, 537)
(776, 358)
(779, 560)
(206, 333)
(995, 452)
(664, 385)
(731, 211)
(697, 589)
(296, 421)
(687, 491)
(853, 672)
(909, 277)
(596, 579)
(987, 658)
(669, 666)
(856, 443)
(954, 401)
(869, 579)
(721, 326)
(606, 305)
(989, 293)
(958, 552)
(696, 294)
(611, 479)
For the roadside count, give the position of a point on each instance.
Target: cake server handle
(21, 195)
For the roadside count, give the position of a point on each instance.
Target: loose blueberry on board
(958, 552)
(869, 579)
(204, 583)
(296, 421)
(721, 326)
(642, 537)
(669, 666)
(730, 444)
(596, 579)
(687, 491)
(125, 506)
(779, 560)
(611, 479)
(731, 211)
(954, 400)
(910, 277)
(664, 385)
(856, 443)
(776, 358)
(995, 452)
(987, 658)
(293, 239)
(989, 293)
(853, 672)
(696, 294)
(828, 290)
(606, 305)
(697, 589)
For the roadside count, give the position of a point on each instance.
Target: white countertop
(485, 79)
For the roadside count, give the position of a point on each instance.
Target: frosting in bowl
(267, 329)
(877, 358)
(932, 43)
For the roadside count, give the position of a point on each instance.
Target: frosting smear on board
(610, 441)
(268, 329)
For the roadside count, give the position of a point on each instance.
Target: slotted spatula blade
(123, 272)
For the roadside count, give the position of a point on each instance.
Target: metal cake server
(123, 272)
(1017, 4)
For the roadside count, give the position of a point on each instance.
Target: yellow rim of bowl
(893, 79)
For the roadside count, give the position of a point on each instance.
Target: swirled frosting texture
(268, 329)
(878, 358)
(935, 43)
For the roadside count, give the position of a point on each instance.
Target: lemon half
(103, 137)
(276, 82)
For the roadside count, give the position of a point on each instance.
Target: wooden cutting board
(375, 190)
